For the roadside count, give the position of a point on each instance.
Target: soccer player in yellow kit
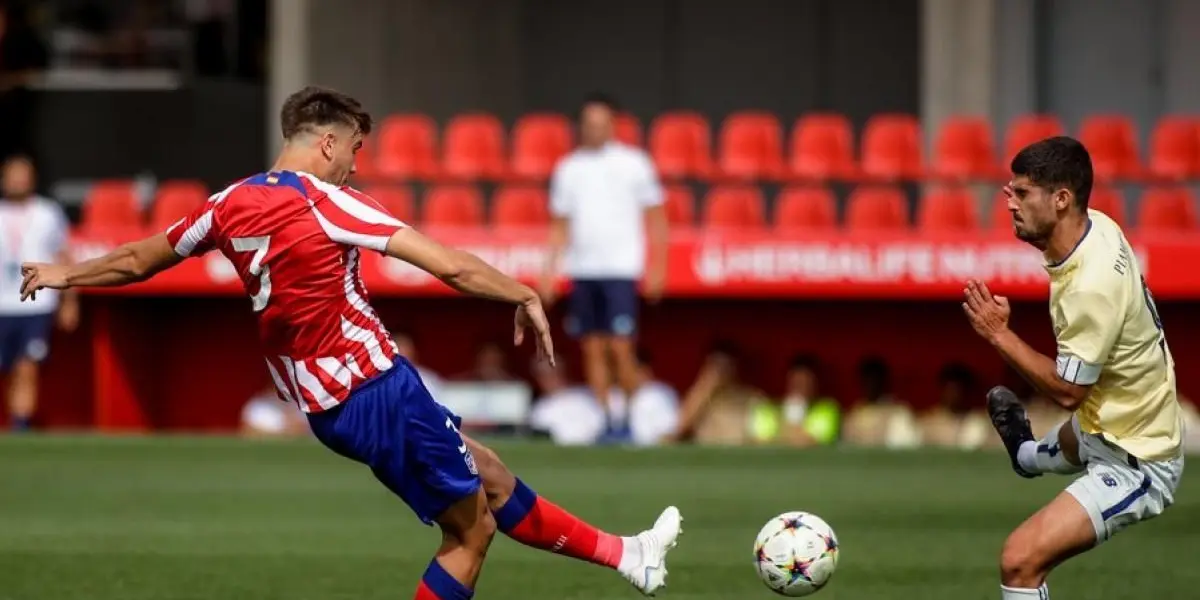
(1113, 370)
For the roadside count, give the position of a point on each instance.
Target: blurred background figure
(880, 419)
(960, 419)
(652, 416)
(265, 415)
(32, 229)
(718, 408)
(408, 349)
(22, 57)
(805, 417)
(602, 195)
(569, 414)
(491, 365)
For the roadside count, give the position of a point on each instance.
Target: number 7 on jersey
(258, 245)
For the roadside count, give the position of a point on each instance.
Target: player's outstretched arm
(469, 274)
(128, 263)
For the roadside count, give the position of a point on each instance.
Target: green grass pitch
(199, 518)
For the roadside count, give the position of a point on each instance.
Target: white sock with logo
(1046, 456)
(1011, 593)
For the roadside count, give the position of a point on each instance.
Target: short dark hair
(1059, 161)
(601, 98)
(803, 361)
(875, 368)
(957, 373)
(317, 107)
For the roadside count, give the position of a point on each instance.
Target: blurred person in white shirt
(605, 197)
(32, 229)
(265, 415)
(569, 414)
(652, 415)
(407, 347)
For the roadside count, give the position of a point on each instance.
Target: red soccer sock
(537, 522)
(437, 584)
(424, 593)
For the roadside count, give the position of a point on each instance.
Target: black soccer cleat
(1008, 417)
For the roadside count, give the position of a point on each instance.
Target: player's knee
(1020, 562)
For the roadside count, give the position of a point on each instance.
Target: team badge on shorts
(470, 460)
(37, 349)
(1108, 480)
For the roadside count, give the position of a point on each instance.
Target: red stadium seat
(628, 129)
(395, 199)
(520, 206)
(453, 206)
(751, 147)
(964, 150)
(407, 147)
(949, 208)
(1167, 209)
(734, 207)
(680, 205)
(1175, 149)
(1111, 141)
(473, 146)
(1108, 201)
(175, 200)
(111, 204)
(1025, 130)
(822, 148)
(805, 208)
(538, 141)
(681, 145)
(877, 207)
(891, 148)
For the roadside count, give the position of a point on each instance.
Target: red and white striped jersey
(295, 241)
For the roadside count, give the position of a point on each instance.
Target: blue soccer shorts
(603, 306)
(411, 443)
(24, 337)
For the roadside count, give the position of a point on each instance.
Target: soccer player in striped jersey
(1113, 369)
(295, 234)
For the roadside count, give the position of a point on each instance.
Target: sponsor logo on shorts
(37, 350)
(1108, 480)
(622, 325)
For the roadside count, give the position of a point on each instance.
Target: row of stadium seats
(750, 147)
(799, 207)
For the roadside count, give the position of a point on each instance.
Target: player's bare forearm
(1038, 369)
(128, 263)
(461, 270)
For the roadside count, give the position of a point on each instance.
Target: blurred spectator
(408, 349)
(569, 414)
(602, 195)
(959, 420)
(32, 229)
(208, 21)
(653, 414)
(806, 417)
(491, 364)
(880, 420)
(1044, 416)
(22, 56)
(265, 415)
(718, 408)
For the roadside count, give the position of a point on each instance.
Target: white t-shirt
(34, 230)
(571, 416)
(603, 194)
(652, 415)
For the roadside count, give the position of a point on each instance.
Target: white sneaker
(649, 574)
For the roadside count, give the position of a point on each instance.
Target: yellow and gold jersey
(1110, 337)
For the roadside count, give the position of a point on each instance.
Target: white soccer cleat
(649, 574)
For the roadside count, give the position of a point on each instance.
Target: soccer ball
(796, 553)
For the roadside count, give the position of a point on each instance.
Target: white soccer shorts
(1118, 489)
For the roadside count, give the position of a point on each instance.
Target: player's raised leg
(534, 521)
(1055, 533)
(1058, 452)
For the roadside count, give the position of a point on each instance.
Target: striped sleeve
(193, 235)
(1092, 324)
(351, 217)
